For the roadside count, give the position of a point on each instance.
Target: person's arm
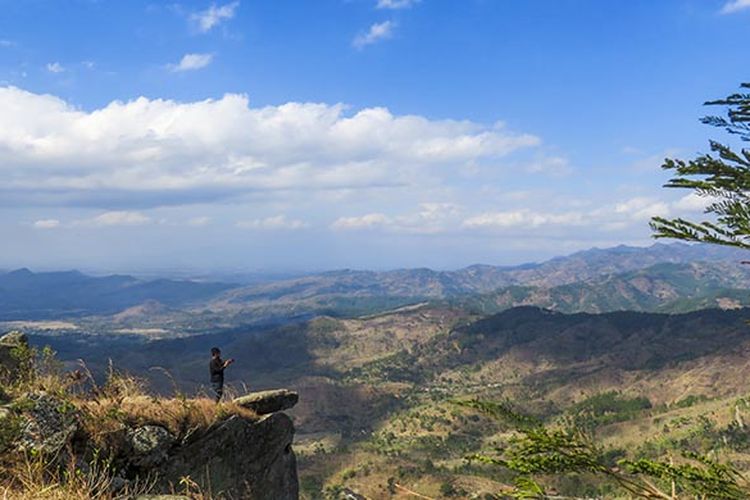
(227, 363)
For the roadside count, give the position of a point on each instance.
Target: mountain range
(674, 277)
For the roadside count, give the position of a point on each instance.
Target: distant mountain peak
(24, 271)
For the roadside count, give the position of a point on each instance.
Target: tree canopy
(722, 177)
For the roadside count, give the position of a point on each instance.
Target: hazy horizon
(281, 273)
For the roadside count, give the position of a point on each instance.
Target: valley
(649, 359)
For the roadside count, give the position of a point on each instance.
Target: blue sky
(298, 135)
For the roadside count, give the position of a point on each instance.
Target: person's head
(215, 352)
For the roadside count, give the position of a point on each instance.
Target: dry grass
(34, 476)
(180, 416)
(105, 413)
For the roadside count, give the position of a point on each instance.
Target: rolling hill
(27, 295)
(376, 390)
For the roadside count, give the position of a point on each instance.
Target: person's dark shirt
(216, 366)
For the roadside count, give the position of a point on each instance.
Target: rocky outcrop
(238, 458)
(266, 402)
(10, 343)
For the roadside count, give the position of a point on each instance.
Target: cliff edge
(117, 441)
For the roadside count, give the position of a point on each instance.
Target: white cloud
(154, 152)
(396, 4)
(208, 19)
(47, 224)
(431, 218)
(694, 202)
(523, 218)
(274, 222)
(116, 218)
(199, 221)
(552, 165)
(191, 62)
(361, 222)
(735, 6)
(642, 208)
(55, 67)
(376, 33)
(630, 213)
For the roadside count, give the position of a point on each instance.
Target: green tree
(539, 451)
(722, 177)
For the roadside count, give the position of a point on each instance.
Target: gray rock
(266, 402)
(349, 494)
(238, 458)
(150, 445)
(9, 364)
(48, 423)
(14, 338)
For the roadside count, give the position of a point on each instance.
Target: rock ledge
(265, 402)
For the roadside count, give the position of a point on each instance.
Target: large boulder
(238, 458)
(265, 402)
(149, 445)
(48, 423)
(10, 345)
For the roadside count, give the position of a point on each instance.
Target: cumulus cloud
(632, 212)
(733, 6)
(431, 218)
(361, 222)
(437, 218)
(157, 152)
(642, 208)
(396, 4)
(116, 218)
(47, 224)
(694, 202)
(55, 67)
(523, 218)
(191, 62)
(208, 19)
(274, 222)
(376, 33)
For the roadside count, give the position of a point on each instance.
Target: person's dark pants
(218, 388)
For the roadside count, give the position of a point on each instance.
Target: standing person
(216, 367)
